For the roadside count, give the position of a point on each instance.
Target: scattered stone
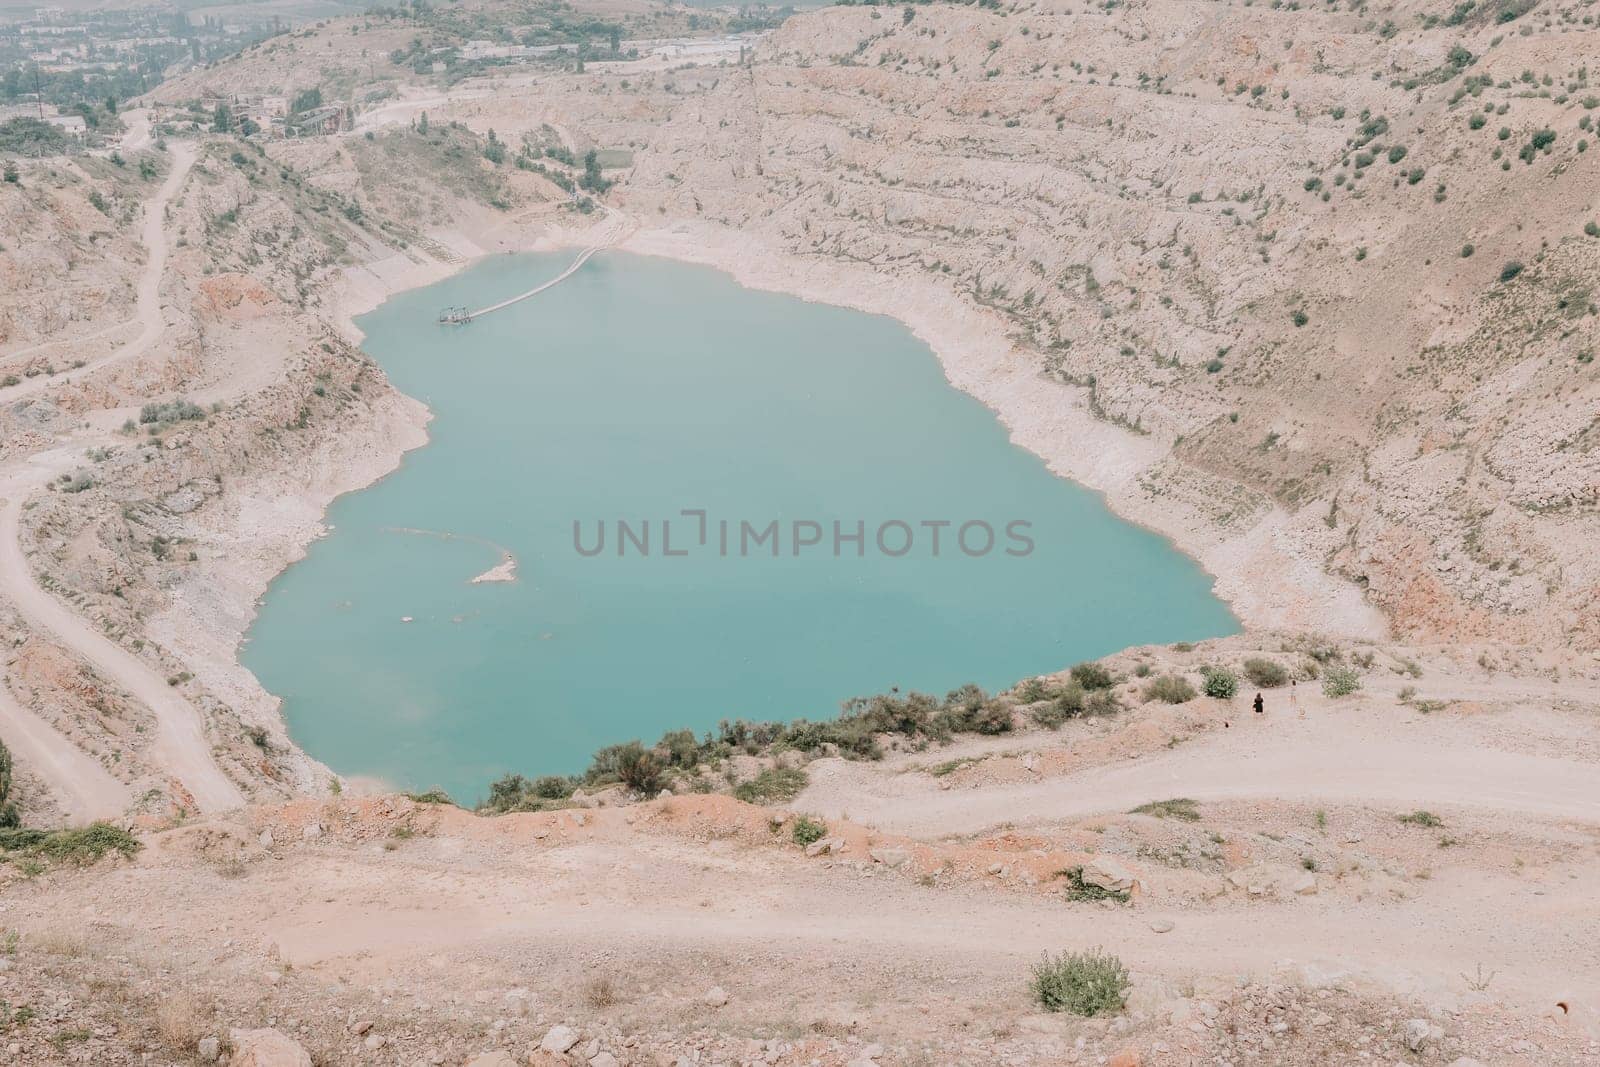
(1109, 874)
(266, 838)
(1305, 885)
(559, 1039)
(492, 1059)
(311, 831)
(716, 997)
(209, 1049)
(603, 1059)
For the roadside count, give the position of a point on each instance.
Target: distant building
(70, 124)
(317, 121)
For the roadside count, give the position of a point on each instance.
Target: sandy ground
(1481, 923)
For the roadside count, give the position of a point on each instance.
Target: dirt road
(148, 311)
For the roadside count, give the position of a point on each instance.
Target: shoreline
(1041, 416)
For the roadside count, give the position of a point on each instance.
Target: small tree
(11, 175)
(222, 119)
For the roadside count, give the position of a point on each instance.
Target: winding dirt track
(180, 745)
(152, 324)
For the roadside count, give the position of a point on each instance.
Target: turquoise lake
(635, 390)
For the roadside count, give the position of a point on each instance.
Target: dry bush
(601, 991)
(58, 941)
(181, 1020)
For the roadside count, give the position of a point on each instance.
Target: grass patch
(951, 766)
(79, 846)
(772, 785)
(1426, 819)
(1082, 983)
(1181, 808)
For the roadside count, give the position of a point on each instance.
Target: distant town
(70, 68)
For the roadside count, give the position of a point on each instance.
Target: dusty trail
(148, 305)
(83, 789)
(180, 744)
(1328, 757)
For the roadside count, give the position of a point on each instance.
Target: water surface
(634, 390)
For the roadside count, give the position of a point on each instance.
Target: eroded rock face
(1223, 231)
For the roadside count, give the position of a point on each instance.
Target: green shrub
(1299, 318)
(1083, 983)
(1169, 689)
(1510, 271)
(1592, 228)
(1181, 808)
(1219, 683)
(1266, 673)
(808, 831)
(1466, 251)
(1340, 681)
(1092, 675)
(772, 785)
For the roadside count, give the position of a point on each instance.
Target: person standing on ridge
(1261, 705)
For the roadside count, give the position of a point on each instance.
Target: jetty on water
(460, 315)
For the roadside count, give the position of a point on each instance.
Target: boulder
(716, 997)
(209, 1049)
(1109, 873)
(492, 1059)
(559, 1039)
(1420, 1033)
(1305, 885)
(604, 1059)
(266, 1048)
(890, 857)
(1161, 926)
